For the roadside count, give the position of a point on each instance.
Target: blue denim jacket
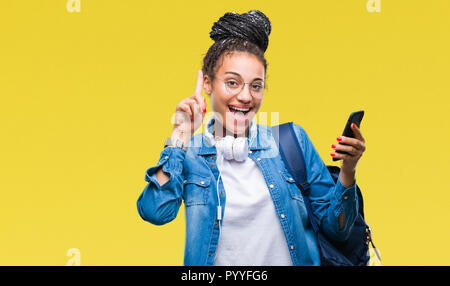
(193, 176)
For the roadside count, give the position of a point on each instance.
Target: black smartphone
(356, 118)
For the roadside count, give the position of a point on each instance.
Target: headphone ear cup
(225, 146)
(240, 149)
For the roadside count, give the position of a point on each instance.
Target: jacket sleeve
(328, 199)
(159, 204)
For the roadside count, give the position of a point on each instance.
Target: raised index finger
(199, 87)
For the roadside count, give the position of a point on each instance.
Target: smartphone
(356, 118)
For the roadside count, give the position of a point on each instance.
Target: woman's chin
(237, 125)
(237, 129)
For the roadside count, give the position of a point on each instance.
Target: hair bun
(253, 26)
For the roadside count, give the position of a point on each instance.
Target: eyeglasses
(235, 86)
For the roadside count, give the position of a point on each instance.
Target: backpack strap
(292, 155)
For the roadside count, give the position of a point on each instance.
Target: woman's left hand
(355, 147)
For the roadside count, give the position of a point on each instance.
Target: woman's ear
(207, 85)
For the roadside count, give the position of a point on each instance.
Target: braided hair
(248, 32)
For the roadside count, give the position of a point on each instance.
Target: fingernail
(353, 125)
(204, 109)
(333, 146)
(191, 117)
(339, 138)
(332, 154)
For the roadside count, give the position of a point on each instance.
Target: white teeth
(240, 109)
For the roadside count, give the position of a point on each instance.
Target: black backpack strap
(292, 155)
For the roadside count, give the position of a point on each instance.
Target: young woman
(242, 206)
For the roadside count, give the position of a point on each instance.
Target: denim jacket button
(258, 159)
(345, 197)
(167, 157)
(292, 247)
(282, 216)
(271, 186)
(202, 182)
(250, 152)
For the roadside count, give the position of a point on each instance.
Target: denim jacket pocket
(293, 188)
(195, 189)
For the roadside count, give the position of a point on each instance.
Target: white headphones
(229, 147)
(233, 148)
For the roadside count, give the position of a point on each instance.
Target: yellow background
(87, 99)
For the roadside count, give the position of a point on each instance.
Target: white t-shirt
(251, 232)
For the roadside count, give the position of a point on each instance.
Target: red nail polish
(333, 146)
(353, 125)
(339, 138)
(204, 109)
(332, 154)
(191, 117)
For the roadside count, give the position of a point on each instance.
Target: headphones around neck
(228, 147)
(233, 148)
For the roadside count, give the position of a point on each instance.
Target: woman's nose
(244, 95)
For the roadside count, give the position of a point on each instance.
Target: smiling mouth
(239, 111)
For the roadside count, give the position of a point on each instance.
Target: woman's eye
(232, 83)
(257, 86)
